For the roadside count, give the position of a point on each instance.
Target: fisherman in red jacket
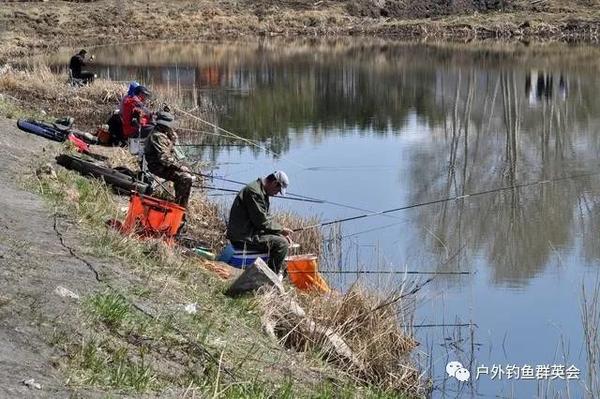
(135, 116)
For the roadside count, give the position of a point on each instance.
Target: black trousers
(87, 77)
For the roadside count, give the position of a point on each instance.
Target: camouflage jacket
(159, 150)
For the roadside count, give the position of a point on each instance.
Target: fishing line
(379, 272)
(442, 200)
(363, 232)
(205, 132)
(209, 145)
(290, 195)
(236, 191)
(349, 168)
(231, 134)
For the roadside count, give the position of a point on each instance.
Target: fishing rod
(442, 200)
(287, 196)
(220, 195)
(213, 177)
(209, 145)
(379, 272)
(237, 136)
(443, 325)
(187, 129)
(228, 190)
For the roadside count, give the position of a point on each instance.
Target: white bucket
(136, 145)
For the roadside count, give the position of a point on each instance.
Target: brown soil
(28, 27)
(34, 263)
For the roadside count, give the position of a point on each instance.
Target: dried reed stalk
(310, 240)
(89, 105)
(118, 157)
(206, 221)
(379, 346)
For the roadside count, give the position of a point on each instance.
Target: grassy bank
(134, 334)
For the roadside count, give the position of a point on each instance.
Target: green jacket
(249, 214)
(158, 150)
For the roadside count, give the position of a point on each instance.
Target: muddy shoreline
(42, 27)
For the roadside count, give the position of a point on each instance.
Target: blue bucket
(226, 254)
(241, 260)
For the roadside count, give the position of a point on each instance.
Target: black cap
(165, 119)
(142, 90)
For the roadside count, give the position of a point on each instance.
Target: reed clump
(590, 319)
(40, 89)
(359, 331)
(206, 221)
(118, 157)
(310, 240)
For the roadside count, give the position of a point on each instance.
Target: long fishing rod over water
(371, 213)
(228, 190)
(237, 136)
(442, 200)
(288, 196)
(381, 272)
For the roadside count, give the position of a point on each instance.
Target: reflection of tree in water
(489, 129)
(332, 97)
(492, 141)
(540, 85)
(368, 90)
(588, 217)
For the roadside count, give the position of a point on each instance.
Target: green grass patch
(102, 364)
(11, 109)
(112, 309)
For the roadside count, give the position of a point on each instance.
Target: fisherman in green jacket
(251, 227)
(159, 151)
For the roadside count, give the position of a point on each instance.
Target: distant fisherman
(76, 66)
(251, 227)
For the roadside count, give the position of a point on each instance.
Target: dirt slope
(33, 263)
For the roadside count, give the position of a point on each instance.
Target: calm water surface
(384, 125)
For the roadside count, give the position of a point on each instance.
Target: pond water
(381, 125)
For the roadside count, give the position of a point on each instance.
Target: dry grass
(118, 157)
(310, 240)
(590, 318)
(369, 325)
(206, 221)
(33, 26)
(41, 89)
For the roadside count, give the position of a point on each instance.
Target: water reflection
(493, 139)
(540, 84)
(430, 122)
(488, 119)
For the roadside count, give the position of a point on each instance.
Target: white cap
(282, 179)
